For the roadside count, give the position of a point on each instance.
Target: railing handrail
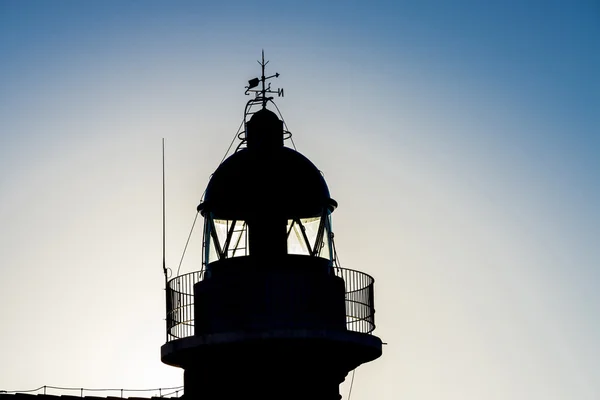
(360, 311)
(174, 390)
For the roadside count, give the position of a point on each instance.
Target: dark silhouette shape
(272, 315)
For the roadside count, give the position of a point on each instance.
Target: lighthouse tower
(271, 314)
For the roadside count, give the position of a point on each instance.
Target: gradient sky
(460, 138)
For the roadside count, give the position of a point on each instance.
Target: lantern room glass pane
(300, 242)
(225, 239)
(305, 236)
(310, 236)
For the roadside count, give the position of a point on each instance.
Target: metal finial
(261, 95)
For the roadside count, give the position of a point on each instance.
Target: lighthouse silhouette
(271, 314)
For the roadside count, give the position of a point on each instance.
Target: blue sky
(460, 139)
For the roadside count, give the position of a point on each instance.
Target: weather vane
(261, 94)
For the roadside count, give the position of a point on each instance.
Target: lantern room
(266, 200)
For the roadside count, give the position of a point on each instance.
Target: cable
(233, 140)
(196, 217)
(187, 242)
(284, 124)
(351, 383)
(336, 258)
(176, 392)
(22, 391)
(237, 133)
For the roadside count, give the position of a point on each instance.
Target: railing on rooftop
(58, 391)
(360, 311)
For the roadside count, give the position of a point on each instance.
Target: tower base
(291, 365)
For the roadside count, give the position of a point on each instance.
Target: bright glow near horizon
(461, 143)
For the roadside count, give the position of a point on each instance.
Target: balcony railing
(360, 311)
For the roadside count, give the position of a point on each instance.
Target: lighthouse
(270, 314)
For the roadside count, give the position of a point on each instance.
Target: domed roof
(279, 182)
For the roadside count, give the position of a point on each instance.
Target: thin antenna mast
(164, 262)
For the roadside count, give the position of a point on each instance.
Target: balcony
(359, 302)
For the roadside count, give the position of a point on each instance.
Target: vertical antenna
(164, 263)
